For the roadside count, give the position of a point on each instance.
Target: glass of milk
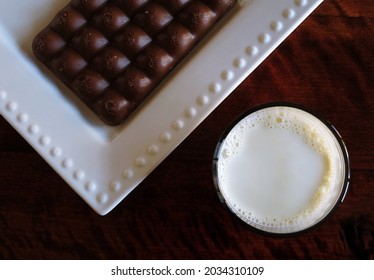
(281, 168)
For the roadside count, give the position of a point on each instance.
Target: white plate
(104, 164)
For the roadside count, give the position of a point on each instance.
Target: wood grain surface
(327, 64)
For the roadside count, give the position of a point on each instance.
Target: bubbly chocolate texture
(113, 53)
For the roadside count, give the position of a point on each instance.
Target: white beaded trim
(34, 132)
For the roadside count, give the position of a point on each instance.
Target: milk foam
(278, 169)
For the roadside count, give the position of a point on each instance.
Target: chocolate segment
(89, 85)
(131, 40)
(152, 17)
(113, 53)
(134, 84)
(110, 19)
(67, 22)
(155, 62)
(67, 65)
(176, 39)
(88, 42)
(112, 106)
(197, 17)
(47, 44)
(110, 62)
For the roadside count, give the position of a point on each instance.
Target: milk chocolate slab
(113, 53)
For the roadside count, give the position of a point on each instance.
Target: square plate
(104, 164)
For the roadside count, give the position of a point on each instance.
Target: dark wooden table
(327, 64)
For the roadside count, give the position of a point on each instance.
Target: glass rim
(333, 130)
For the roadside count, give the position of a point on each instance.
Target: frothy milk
(280, 169)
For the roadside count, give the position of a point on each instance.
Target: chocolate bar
(113, 53)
